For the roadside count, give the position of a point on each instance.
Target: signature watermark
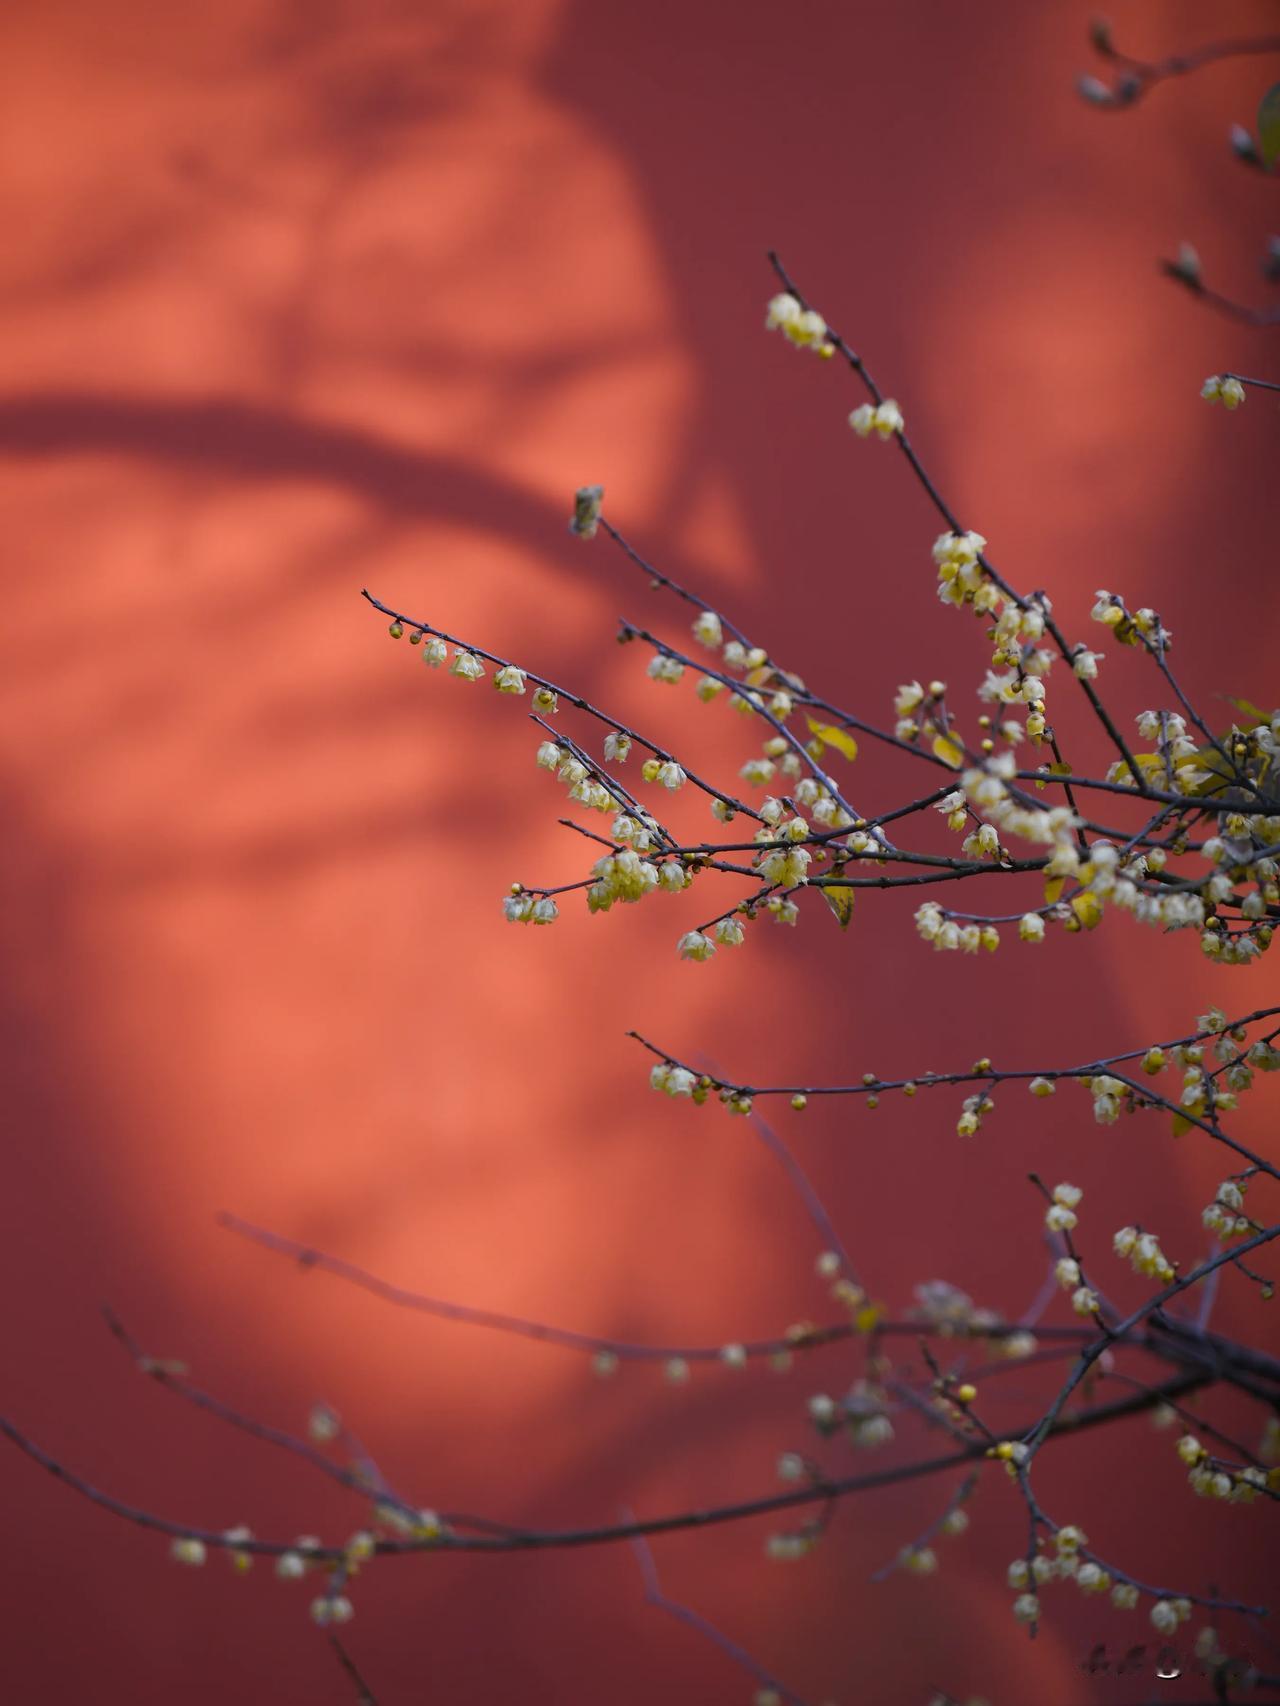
(1165, 1662)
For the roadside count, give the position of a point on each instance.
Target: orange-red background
(304, 297)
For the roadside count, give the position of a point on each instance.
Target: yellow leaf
(1087, 908)
(948, 750)
(1053, 887)
(1248, 709)
(841, 739)
(1180, 1125)
(868, 1316)
(840, 899)
(1269, 125)
(1220, 774)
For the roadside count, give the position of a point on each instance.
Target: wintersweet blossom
(801, 326)
(1167, 1614)
(786, 1548)
(1223, 388)
(665, 668)
(1144, 1253)
(884, 418)
(909, 698)
(466, 666)
(617, 746)
(707, 630)
(961, 578)
(955, 808)
(672, 1080)
(1085, 663)
(693, 945)
(509, 679)
(786, 867)
(587, 503)
(1224, 1216)
(1061, 1215)
(434, 651)
(331, 1608)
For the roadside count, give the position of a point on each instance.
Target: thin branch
(655, 1597)
(364, 1694)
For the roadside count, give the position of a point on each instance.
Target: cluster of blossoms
(678, 1081)
(862, 1415)
(1142, 1249)
(803, 327)
(882, 418)
(584, 788)
(933, 924)
(952, 1313)
(1061, 1214)
(1085, 870)
(332, 1607)
(1223, 388)
(1067, 1562)
(962, 580)
(1212, 1478)
(972, 1112)
(1061, 1217)
(1141, 627)
(1110, 1097)
(920, 1559)
(803, 834)
(1225, 1216)
(522, 908)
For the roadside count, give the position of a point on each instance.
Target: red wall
(304, 298)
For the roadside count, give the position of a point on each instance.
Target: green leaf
(829, 735)
(840, 899)
(1269, 125)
